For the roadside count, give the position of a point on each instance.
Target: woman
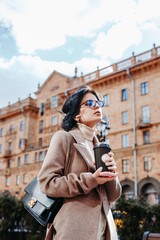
(87, 192)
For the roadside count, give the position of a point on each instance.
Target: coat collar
(83, 149)
(78, 136)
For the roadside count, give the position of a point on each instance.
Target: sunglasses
(92, 103)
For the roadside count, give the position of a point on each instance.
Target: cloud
(119, 38)
(147, 10)
(128, 29)
(16, 80)
(20, 75)
(113, 26)
(44, 25)
(87, 65)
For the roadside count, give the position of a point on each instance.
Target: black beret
(74, 100)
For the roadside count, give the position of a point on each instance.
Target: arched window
(128, 191)
(150, 193)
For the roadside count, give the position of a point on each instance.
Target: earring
(77, 118)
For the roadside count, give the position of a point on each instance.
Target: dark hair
(72, 105)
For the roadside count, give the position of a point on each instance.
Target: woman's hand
(109, 161)
(103, 177)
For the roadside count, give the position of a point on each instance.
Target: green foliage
(156, 216)
(14, 217)
(136, 216)
(7, 209)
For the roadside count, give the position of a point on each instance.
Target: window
(146, 137)
(125, 166)
(11, 129)
(21, 143)
(54, 101)
(145, 114)
(144, 88)
(10, 146)
(7, 181)
(124, 94)
(2, 132)
(36, 157)
(125, 141)
(0, 148)
(40, 142)
(17, 179)
(128, 191)
(25, 178)
(54, 121)
(41, 109)
(19, 161)
(26, 158)
(22, 126)
(106, 100)
(147, 163)
(41, 126)
(125, 117)
(9, 163)
(41, 156)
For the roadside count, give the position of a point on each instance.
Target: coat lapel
(82, 148)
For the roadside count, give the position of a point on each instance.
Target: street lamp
(103, 128)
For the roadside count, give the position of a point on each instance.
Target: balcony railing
(144, 122)
(132, 61)
(13, 132)
(8, 153)
(18, 105)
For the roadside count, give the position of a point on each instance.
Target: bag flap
(33, 190)
(38, 208)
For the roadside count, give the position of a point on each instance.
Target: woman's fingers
(108, 174)
(98, 171)
(109, 160)
(111, 154)
(103, 177)
(105, 157)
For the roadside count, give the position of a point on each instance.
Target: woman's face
(89, 116)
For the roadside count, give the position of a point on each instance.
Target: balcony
(144, 123)
(7, 153)
(11, 133)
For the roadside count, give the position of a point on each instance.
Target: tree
(7, 209)
(136, 216)
(14, 217)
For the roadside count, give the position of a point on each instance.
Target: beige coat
(79, 216)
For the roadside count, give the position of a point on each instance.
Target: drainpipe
(134, 132)
(24, 124)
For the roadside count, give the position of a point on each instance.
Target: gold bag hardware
(32, 202)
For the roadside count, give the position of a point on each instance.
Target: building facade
(132, 103)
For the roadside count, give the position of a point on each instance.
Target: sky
(38, 37)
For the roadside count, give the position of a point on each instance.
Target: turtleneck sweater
(88, 134)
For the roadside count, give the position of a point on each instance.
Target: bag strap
(69, 158)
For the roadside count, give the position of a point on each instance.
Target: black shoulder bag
(39, 205)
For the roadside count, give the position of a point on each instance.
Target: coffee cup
(99, 150)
